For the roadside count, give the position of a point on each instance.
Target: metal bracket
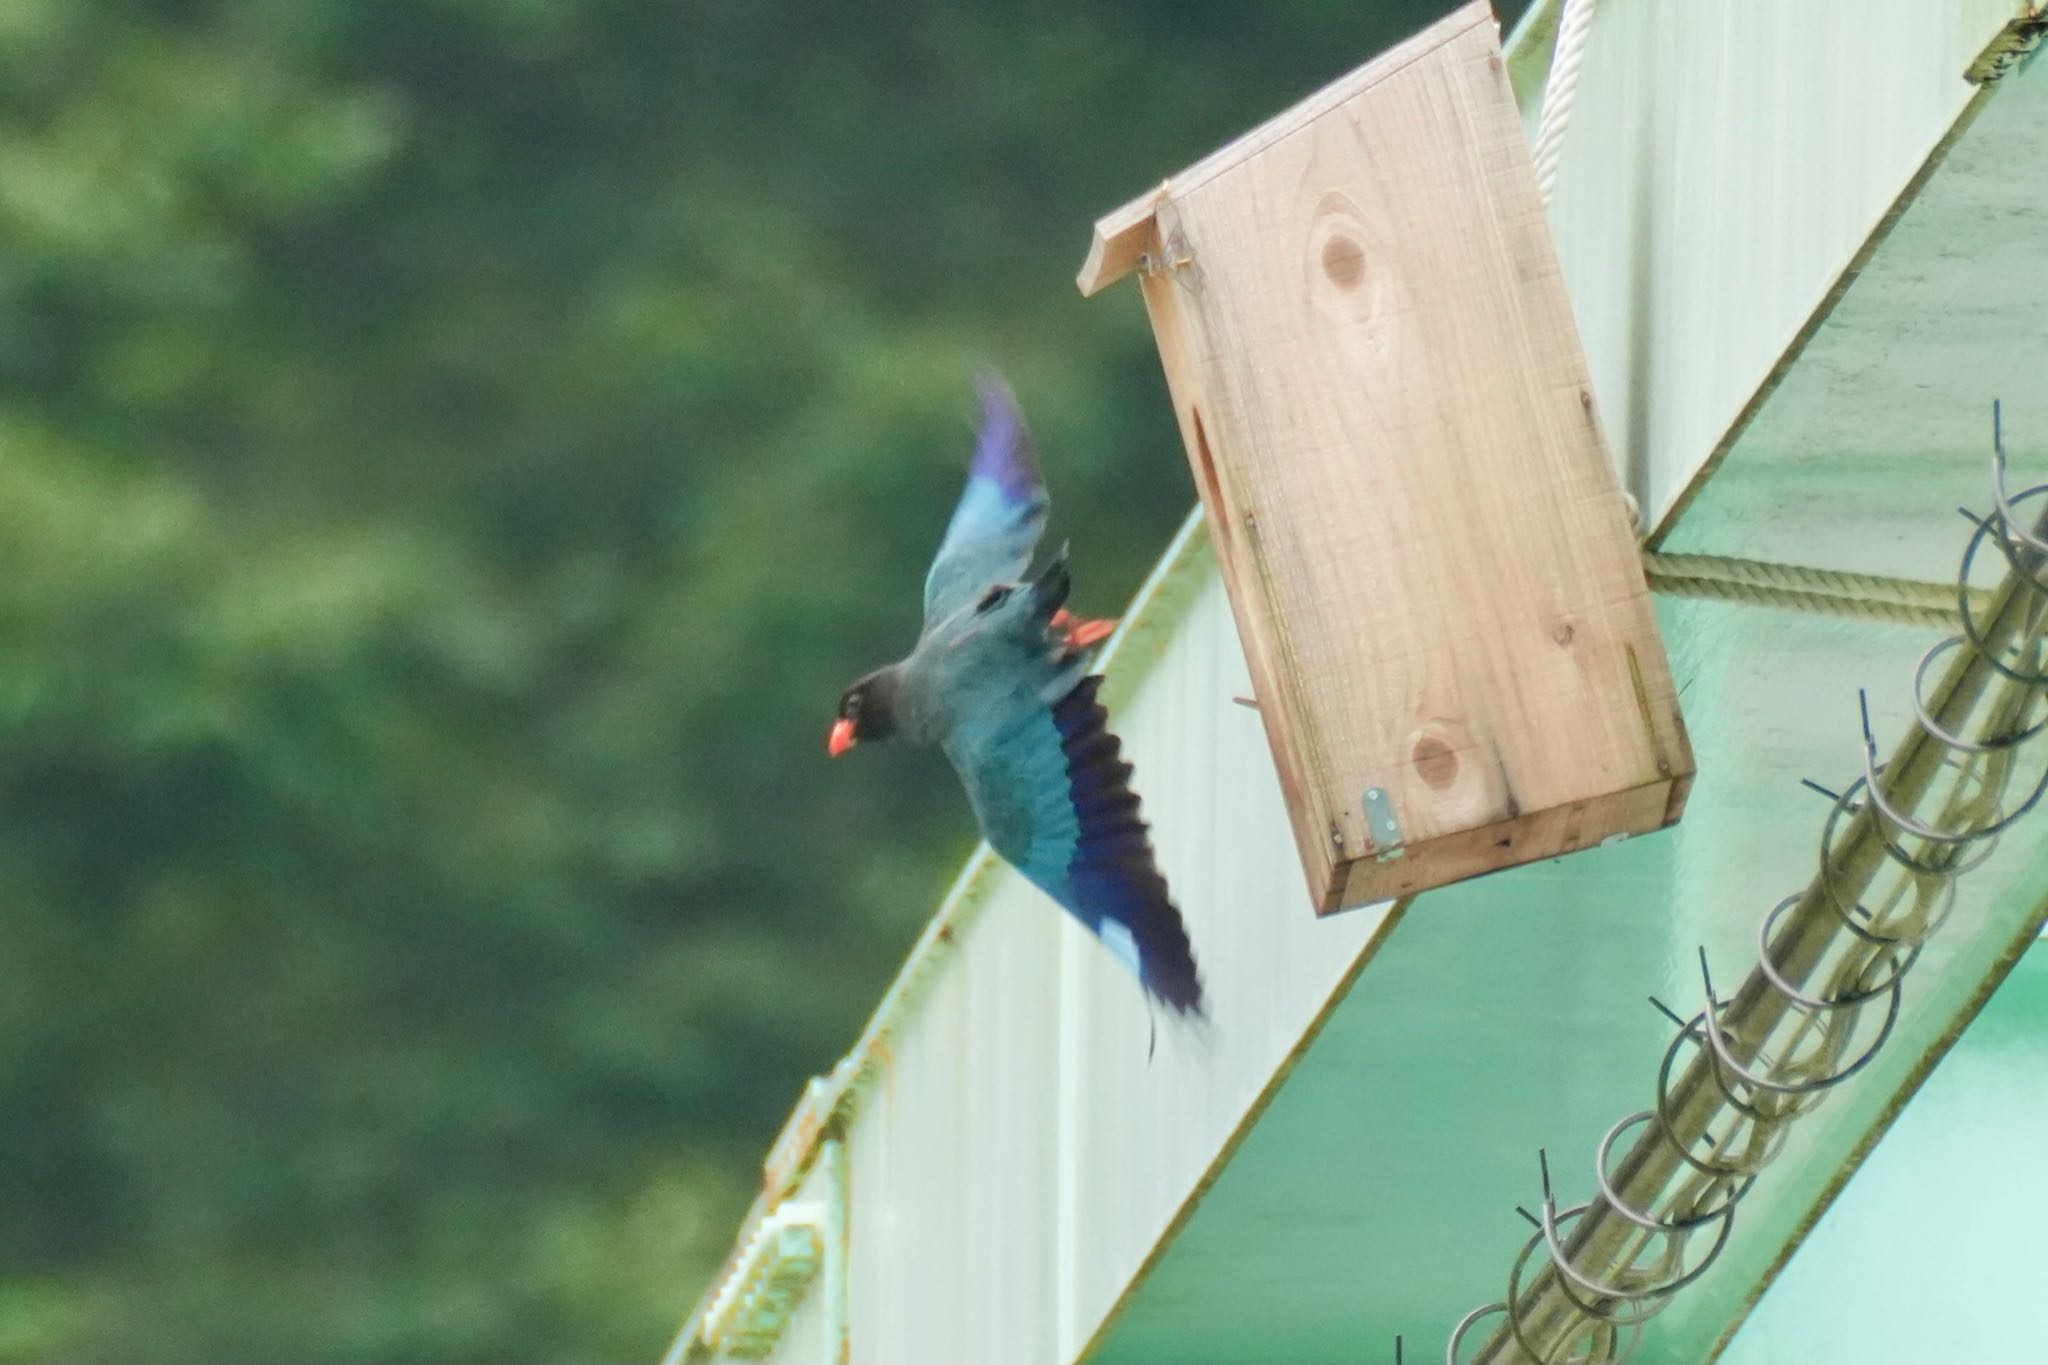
(1381, 824)
(1175, 255)
(778, 1265)
(787, 1250)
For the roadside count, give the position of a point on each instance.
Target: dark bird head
(867, 712)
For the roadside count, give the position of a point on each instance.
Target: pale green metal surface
(1376, 1196)
(1933, 1251)
(1886, 419)
(1384, 1174)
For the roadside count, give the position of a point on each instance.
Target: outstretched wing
(1053, 794)
(996, 525)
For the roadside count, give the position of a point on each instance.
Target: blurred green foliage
(452, 453)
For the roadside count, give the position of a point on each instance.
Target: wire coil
(1835, 1006)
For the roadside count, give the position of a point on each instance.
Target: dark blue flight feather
(1113, 883)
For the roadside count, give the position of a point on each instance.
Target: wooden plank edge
(1119, 241)
(1536, 836)
(1120, 235)
(1250, 606)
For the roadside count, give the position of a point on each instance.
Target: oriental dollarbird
(999, 681)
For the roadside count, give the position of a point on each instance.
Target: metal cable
(1793, 587)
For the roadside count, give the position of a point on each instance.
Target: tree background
(452, 455)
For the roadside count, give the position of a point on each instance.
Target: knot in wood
(1436, 761)
(1343, 261)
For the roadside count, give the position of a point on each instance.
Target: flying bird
(999, 681)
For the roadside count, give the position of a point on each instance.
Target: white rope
(1573, 24)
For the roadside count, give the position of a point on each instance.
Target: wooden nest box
(1384, 400)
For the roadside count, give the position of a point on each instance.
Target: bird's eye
(993, 598)
(850, 707)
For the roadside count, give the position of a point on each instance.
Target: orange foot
(1081, 631)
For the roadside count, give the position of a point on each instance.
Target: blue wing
(1113, 883)
(999, 517)
(1052, 791)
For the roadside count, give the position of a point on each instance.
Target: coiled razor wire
(1827, 988)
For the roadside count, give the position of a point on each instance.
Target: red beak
(841, 738)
